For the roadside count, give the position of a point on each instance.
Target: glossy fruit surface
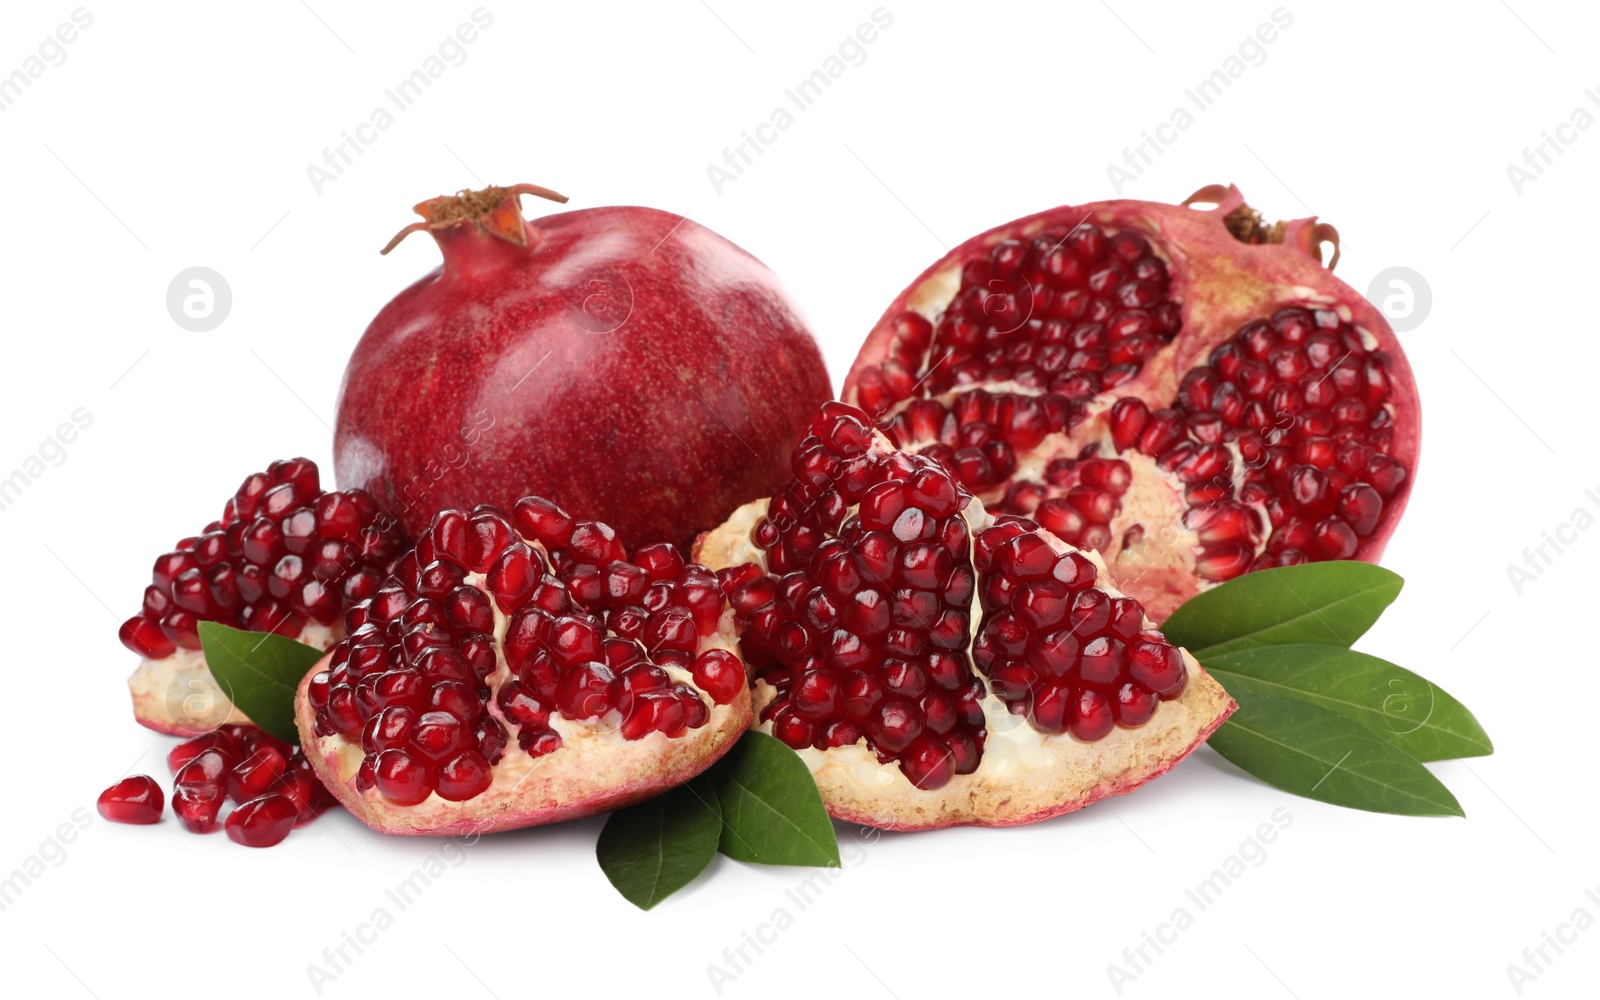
(622, 361)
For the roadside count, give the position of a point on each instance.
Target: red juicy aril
(132, 800)
(1189, 393)
(523, 668)
(625, 362)
(284, 557)
(935, 664)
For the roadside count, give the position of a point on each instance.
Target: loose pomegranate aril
(285, 557)
(598, 655)
(197, 804)
(870, 654)
(256, 773)
(132, 800)
(263, 821)
(247, 765)
(1077, 377)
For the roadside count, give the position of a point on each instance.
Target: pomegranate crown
(494, 210)
(1248, 225)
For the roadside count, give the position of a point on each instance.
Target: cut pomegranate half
(1190, 393)
(285, 557)
(523, 669)
(855, 589)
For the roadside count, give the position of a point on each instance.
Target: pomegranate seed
(464, 776)
(1334, 539)
(262, 822)
(720, 674)
(196, 805)
(1092, 716)
(256, 773)
(582, 692)
(928, 762)
(1135, 705)
(132, 800)
(189, 749)
(403, 779)
(1158, 667)
(1047, 707)
(210, 766)
(1360, 505)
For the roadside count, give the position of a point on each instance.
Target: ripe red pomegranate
(854, 588)
(1190, 393)
(625, 362)
(523, 669)
(285, 557)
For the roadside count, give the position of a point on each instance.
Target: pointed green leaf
(1402, 707)
(651, 850)
(772, 813)
(1307, 750)
(259, 672)
(1328, 603)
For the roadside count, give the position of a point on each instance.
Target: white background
(180, 136)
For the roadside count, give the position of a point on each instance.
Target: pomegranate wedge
(856, 589)
(519, 669)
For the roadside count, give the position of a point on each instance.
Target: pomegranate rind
(1220, 283)
(431, 376)
(1052, 776)
(1025, 776)
(177, 694)
(596, 770)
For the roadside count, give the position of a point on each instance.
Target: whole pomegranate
(934, 664)
(623, 361)
(1190, 393)
(523, 667)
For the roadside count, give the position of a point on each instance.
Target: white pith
(595, 769)
(182, 679)
(1024, 774)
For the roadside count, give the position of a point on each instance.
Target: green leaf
(1328, 603)
(772, 813)
(651, 850)
(259, 672)
(1402, 707)
(1310, 751)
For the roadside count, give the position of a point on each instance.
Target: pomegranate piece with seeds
(626, 362)
(132, 800)
(284, 557)
(934, 664)
(1189, 393)
(523, 668)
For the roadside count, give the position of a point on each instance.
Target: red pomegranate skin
(626, 362)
